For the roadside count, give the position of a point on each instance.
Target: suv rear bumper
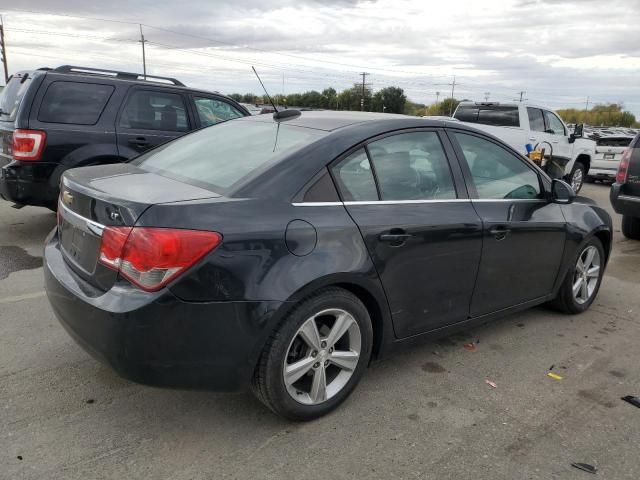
(624, 204)
(29, 183)
(156, 338)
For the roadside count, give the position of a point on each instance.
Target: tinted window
(355, 178)
(149, 110)
(11, 96)
(500, 116)
(496, 172)
(412, 166)
(76, 103)
(536, 120)
(219, 156)
(554, 125)
(211, 111)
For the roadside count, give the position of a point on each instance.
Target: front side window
(412, 166)
(212, 111)
(151, 110)
(496, 172)
(355, 178)
(554, 125)
(74, 103)
(536, 119)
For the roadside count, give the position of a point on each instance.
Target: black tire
(583, 170)
(268, 382)
(631, 227)
(565, 300)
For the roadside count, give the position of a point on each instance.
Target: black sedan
(285, 254)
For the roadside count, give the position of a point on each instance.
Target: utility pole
(586, 107)
(3, 47)
(364, 75)
(521, 95)
(453, 89)
(486, 96)
(144, 60)
(437, 97)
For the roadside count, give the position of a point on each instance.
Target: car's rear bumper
(156, 338)
(622, 203)
(29, 183)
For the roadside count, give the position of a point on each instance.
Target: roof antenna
(265, 90)
(278, 115)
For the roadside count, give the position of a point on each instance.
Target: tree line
(609, 115)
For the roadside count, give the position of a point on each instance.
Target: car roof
(330, 120)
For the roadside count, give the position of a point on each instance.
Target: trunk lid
(92, 198)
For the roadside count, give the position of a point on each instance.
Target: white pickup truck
(522, 124)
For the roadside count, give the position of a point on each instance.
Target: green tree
(330, 98)
(389, 100)
(249, 98)
(608, 115)
(236, 96)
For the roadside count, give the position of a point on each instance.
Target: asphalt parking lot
(426, 413)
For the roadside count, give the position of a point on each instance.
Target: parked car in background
(55, 119)
(625, 192)
(284, 253)
(609, 150)
(520, 124)
(252, 109)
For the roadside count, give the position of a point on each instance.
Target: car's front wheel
(316, 358)
(577, 176)
(631, 227)
(582, 282)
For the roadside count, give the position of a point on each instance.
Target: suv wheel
(577, 176)
(316, 358)
(582, 282)
(631, 227)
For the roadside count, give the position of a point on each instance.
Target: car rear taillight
(28, 145)
(623, 168)
(152, 257)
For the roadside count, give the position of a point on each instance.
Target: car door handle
(397, 237)
(139, 141)
(499, 232)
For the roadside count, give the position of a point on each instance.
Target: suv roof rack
(117, 74)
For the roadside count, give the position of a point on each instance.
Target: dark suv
(625, 192)
(55, 119)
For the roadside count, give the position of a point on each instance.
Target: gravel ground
(426, 413)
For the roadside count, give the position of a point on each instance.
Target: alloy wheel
(577, 179)
(587, 274)
(322, 356)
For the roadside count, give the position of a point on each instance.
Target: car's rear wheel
(631, 227)
(582, 282)
(316, 358)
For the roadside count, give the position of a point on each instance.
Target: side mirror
(578, 132)
(561, 192)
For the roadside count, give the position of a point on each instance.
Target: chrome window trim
(484, 200)
(379, 202)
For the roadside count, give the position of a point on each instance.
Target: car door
(523, 233)
(419, 226)
(210, 110)
(150, 117)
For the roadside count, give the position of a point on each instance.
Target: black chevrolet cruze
(285, 254)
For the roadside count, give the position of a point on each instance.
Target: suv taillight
(28, 145)
(152, 257)
(623, 168)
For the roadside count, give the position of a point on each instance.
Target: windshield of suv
(11, 96)
(216, 157)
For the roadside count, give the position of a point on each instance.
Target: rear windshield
(11, 96)
(216, 157)
(499, 116)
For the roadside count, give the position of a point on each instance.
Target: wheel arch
(585, 160)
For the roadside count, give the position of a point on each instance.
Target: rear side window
(73, 102)
(219, 156)
(11, 96)
(355, 178)
(536, 120)
(151, 110)
(212, 111)
(412, 166)
(497, 115)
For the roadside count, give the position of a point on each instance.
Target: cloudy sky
(558, 51)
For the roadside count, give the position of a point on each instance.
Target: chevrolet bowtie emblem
(67, 197)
